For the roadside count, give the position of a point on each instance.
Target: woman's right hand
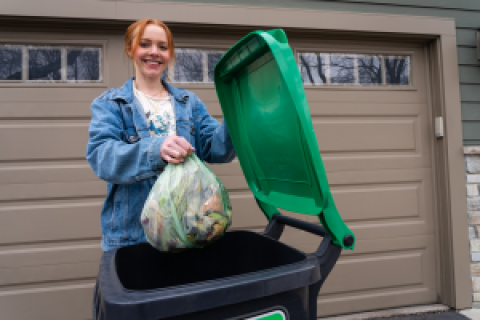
(175, 148)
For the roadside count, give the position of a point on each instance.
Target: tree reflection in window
(342, 68)
(370, 69)
(195, 65)
(212, 59)
(44, 64)
(10, 63)
(188, 67)
(397, 70)
(355, 69)
(83, 64)
(313, 68)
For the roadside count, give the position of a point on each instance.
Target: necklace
(153, 95)
(148, 99)
(150, 102)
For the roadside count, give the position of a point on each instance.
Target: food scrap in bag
(188, 207)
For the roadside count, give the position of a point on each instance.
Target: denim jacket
(122, 152)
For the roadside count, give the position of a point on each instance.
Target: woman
(137, 129)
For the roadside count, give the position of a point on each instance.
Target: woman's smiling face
(152, 56)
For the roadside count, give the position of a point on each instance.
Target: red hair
(135, 32)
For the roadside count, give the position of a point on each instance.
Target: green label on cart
(274, 315)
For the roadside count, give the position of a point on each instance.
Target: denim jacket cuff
(156, 162)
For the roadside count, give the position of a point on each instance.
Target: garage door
(49, 198)
(372, 123)
(373, 131)
(369, 106)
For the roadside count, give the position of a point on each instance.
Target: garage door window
(27, 63)
(10, 63)
(194, 65)
(354, 69)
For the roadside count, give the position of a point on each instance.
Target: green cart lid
(261, 94)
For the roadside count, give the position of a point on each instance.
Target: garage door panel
(365, 298)
(371, 205)
(390, 229)
(214, 108)
(403, 238)
(234, 183)
(33, 222)
(365, 135)
(394, 236)
(371, 160)
(68, 253)
(402, 263)
(252, 218)
(354, 96)
(336, 107)
(362, 150)
(45, 172)
(246, 213)
(344, 109)
(53, 190)
(43, 141)
(378, 176)
(28, 267)
(367, 301)
(398, 244)
(51, 180)
(48, 273)
(391, 270)
(45, 109)
(206, 93)
(378, 202)
(339, 108)
(48, 93)
(403, 194)
(55, 302)
(226, 169)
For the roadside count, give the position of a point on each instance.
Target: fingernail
(181, 160)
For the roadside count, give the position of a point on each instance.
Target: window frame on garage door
(101, 44)
(360, 52)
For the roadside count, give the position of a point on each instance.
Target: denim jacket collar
(126, 92)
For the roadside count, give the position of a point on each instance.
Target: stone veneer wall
(472, 164)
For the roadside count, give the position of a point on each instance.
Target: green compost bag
(188, 207)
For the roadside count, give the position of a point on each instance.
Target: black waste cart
(244, 275)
